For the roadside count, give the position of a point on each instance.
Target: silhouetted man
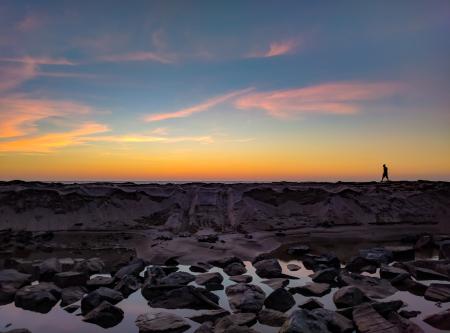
(385, 173)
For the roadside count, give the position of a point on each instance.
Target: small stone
(245, 297)
(438, 292)
(268, 268)
(241, 278)
(209, 278)
(348, 296)
(209, 315)
(235, 268)
(280, 299)
(409, 314)
(311, 304)
(439, 320)
(271, 317)
(161, 322)
(105, 315)
(276, 283)
(69, 279)
(293, 267)
(312, 289)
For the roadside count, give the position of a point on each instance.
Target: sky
(224, 90)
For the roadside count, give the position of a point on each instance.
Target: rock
(348, 297)
(71, 295)
(280, 299)
(48, 268)
(21, 265)
(311, 304)
(390, 272)
(223, 262)
(402, 252)
(210, 238)
(323, 261)
(172, 261)
(360, 264)
(241, 278)
(99, 281)
(384, 308)
(235, 268)
(402, 324)
(303, 321)
(444, 249)
(239, 319)
(409, 314)
(367, 320)
(177, 278)
(128, 285)
(71, 308)
(439, 320)
(262, 256)
(424, 241)
(206, 327)
(312, 289)
(377, 254)
(298, 250)
(408, 284)
(39, 298)
(14, 278)
(371, 286)
(276, 283)
(438, 292)
(200, 267)
(161, 322)
(90, 266)
(185, 297)
(428, 274)
(209, 278)
(67, 264)
(18, 330)
(96, 297)
(293, 267)
(134, 268)
(268, 268)
(105, 315)
(209, 315)
(271, 317)
(335, 322)
(245, 297)
(328, 275)
(7, 293)
(154, 274)
(69, 279)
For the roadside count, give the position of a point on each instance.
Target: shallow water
(60, 321)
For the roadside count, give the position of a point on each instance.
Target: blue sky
(296, 83)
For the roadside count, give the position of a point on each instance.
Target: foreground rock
(335, 322)
(69, 279)
(209, 315)
(235, 268)
(349, 297)
(161, 322)
(209, 278)
(14, 278)
(39, 298)
(276, 283)
(280, 299)
(439, 320)
(177, 278)
(438, 292)
(241, 278)
(304, 321)
(371, 286)
(71, 295)
(271, 317)
(268, 268)
(105, 315)
(367, 320)
(96, 297)
(245, 297)
(180, 297)
(312, 289)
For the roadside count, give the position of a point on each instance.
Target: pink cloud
(19, 114)
(13, 75)
(204, 106)
(277, 49)
(39, 60)
(331, 98)
(47, 143)
(140, 56)
(30, 22)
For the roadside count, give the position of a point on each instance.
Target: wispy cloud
(151, 139)
(140, 56)
(277, 49)
(49, 142)
(13, 75)
(39, 60)
(30, 22)
(204, 106)
(20, 114)
(331, 98)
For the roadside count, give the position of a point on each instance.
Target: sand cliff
(222, 207)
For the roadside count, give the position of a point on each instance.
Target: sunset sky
(224, 90)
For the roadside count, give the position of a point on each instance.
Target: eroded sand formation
(191, 207)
